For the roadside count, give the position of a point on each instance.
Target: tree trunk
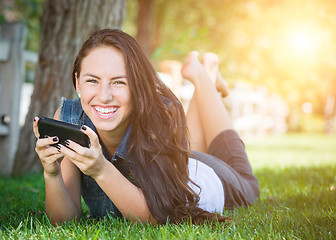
(65, 24)
(144, 26)
(160, 12)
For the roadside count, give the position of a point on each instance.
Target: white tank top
(211, 193)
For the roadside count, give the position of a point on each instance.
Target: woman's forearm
(127, 197)
(59, 205)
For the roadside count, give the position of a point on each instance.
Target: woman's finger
(47, 151)
(70, 153)
(79, 149)
(79, 160)
(53, 157)
(94, 140)
(35, 127)
(45, 142)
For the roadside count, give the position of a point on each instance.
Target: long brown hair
(158, 145)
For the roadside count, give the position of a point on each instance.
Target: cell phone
(50, 127)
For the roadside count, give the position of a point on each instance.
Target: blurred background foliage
(285, 45)
(28, 11)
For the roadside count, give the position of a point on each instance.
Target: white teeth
(105, 110)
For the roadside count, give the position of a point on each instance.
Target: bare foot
(210, 62)
(193, 68)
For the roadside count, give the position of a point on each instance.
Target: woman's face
(104, 90)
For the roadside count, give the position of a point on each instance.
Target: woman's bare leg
(197, 138)
(207, 115)
(213, 119)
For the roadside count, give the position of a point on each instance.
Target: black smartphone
(50, 127)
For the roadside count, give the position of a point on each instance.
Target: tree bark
(65, 24)
(160, 12)
(144, 25)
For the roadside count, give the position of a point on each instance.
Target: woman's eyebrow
(117, 77)
(94, 76)
(90, 75)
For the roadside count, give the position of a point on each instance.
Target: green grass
(297, 176)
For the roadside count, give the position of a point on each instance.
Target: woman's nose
(105, 94)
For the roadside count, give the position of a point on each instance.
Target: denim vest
(98, 202)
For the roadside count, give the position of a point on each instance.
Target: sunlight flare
(305, 41)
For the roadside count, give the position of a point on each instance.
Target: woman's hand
(50, 156)
(127, 197)
(89, 160)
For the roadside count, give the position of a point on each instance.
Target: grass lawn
(297, 177)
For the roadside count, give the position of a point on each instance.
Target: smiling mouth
(105, 112)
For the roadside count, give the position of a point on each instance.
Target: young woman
(139, 164)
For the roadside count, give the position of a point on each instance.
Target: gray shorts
(227, 157)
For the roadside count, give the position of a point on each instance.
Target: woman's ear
(77, 85)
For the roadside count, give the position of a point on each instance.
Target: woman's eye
(119, 83)
(91, 81)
